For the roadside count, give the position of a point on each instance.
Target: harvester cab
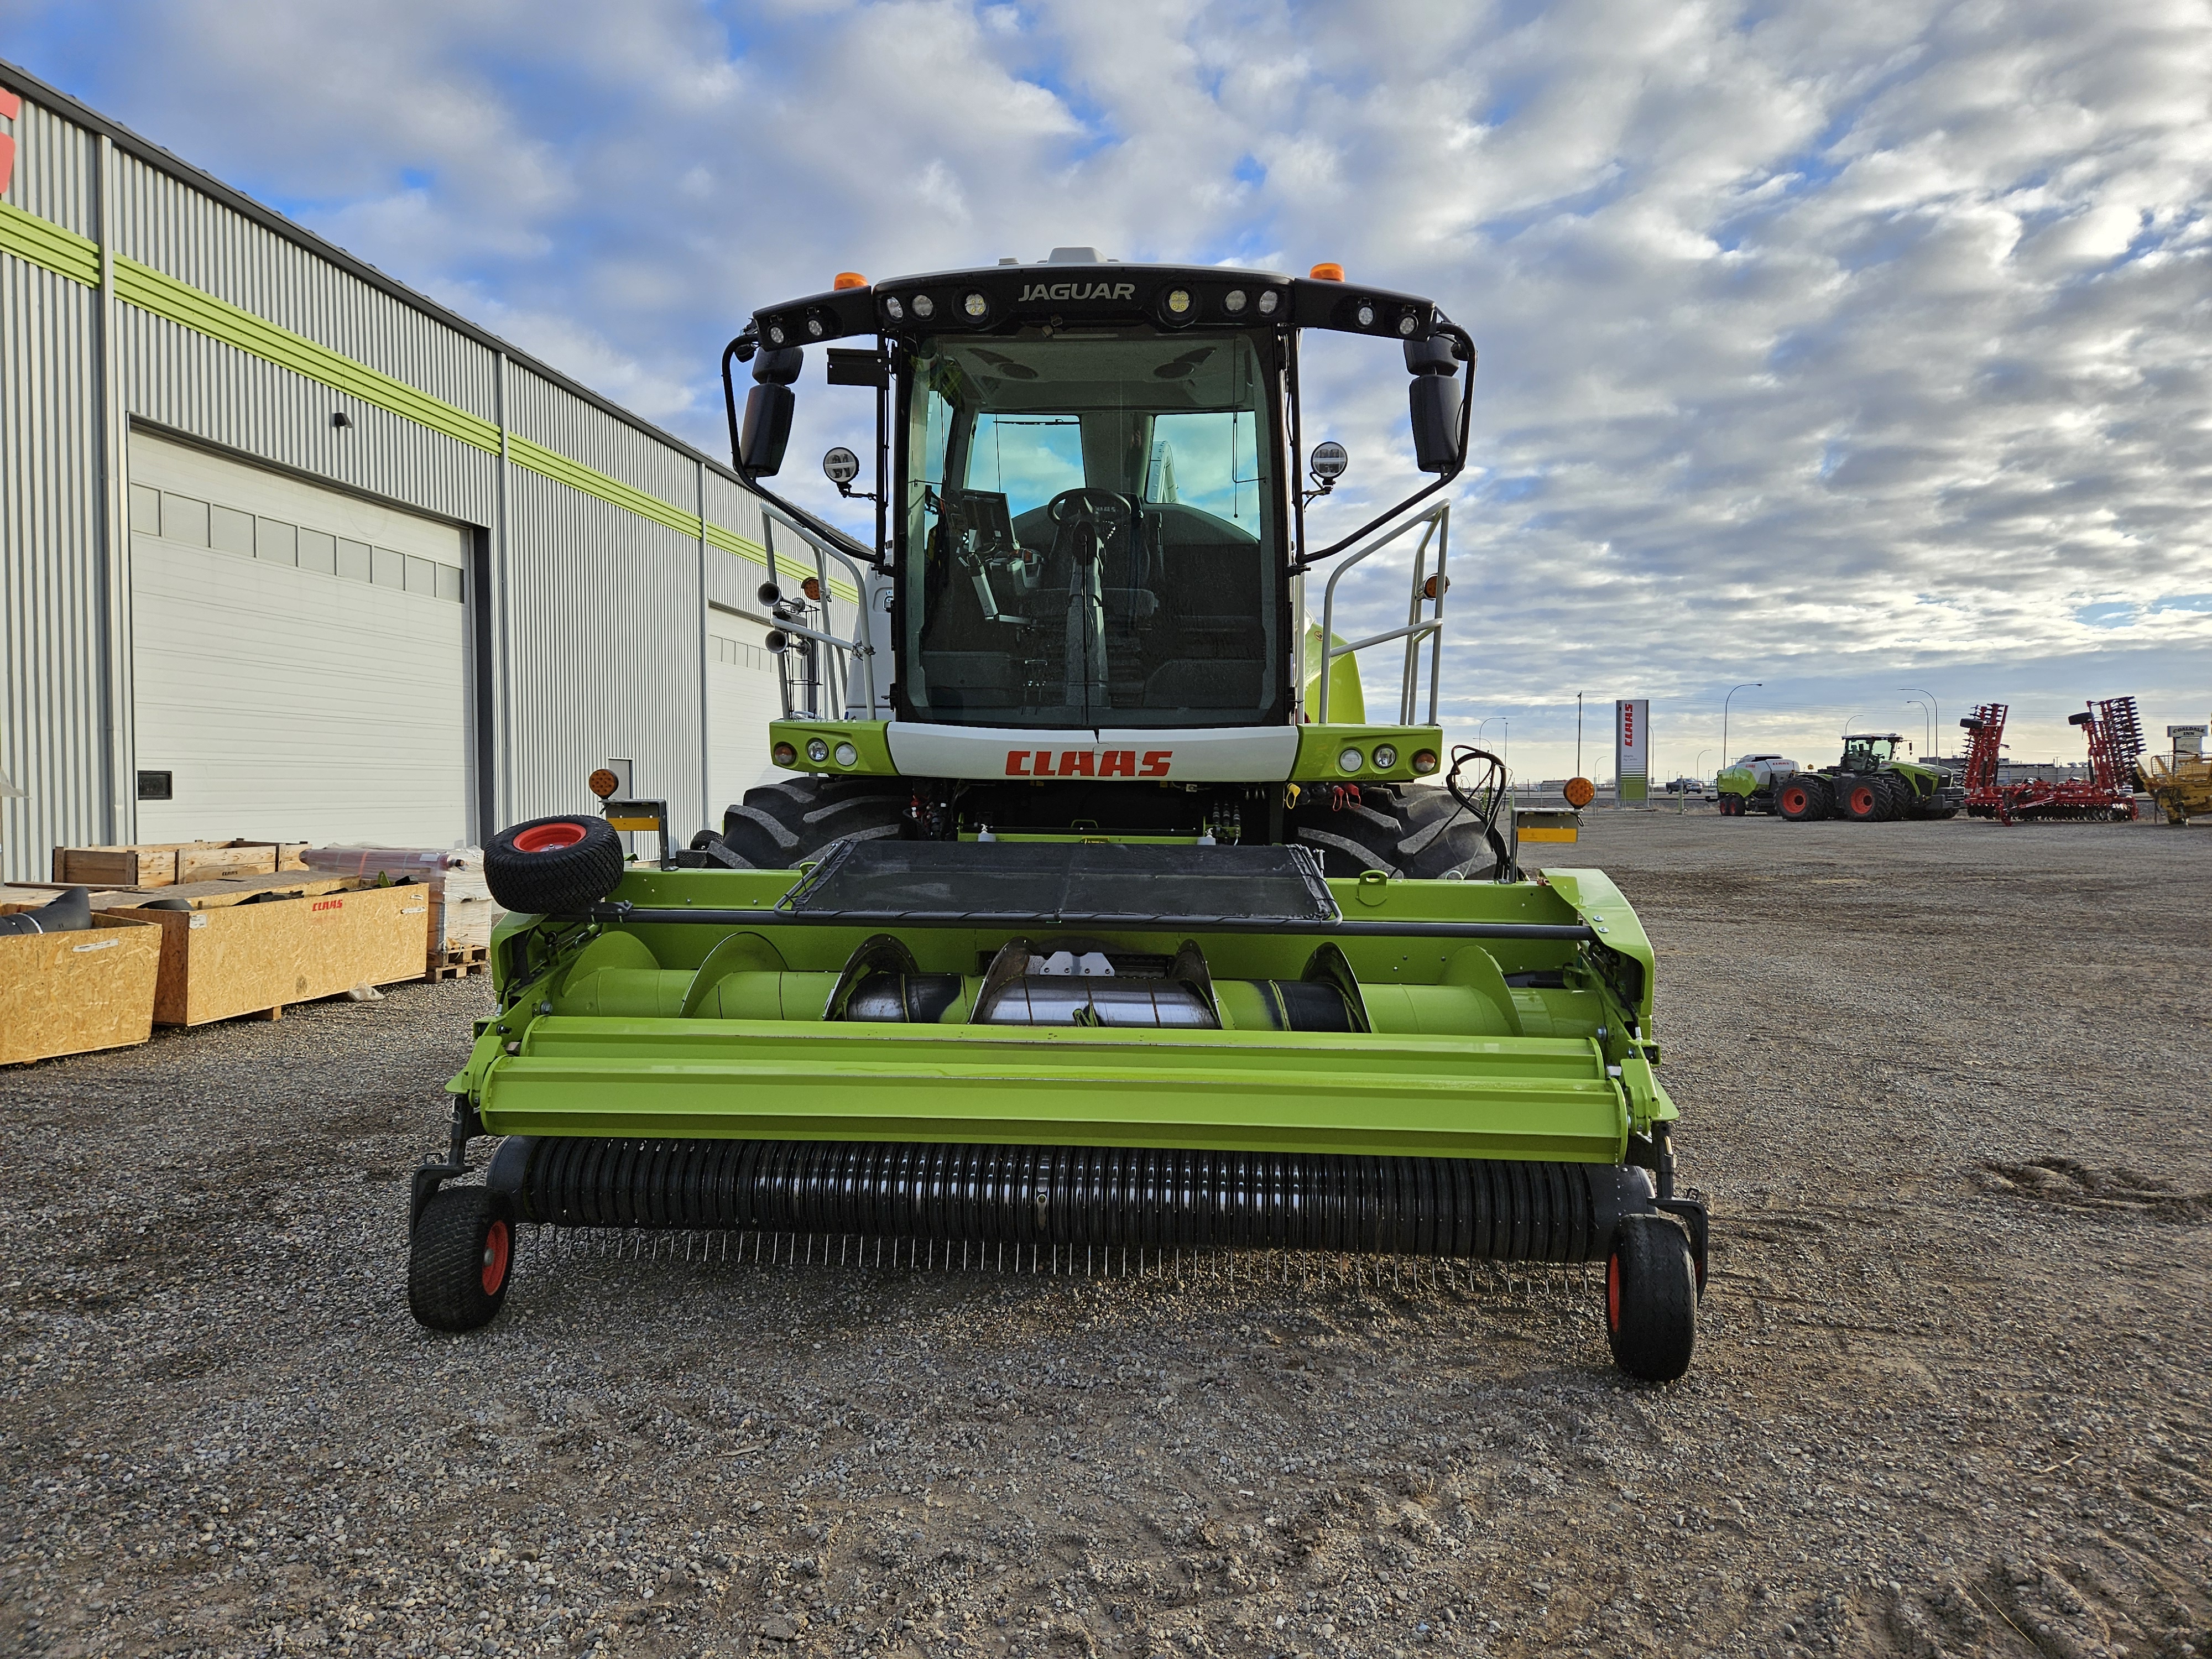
(1091, 570)
(1098, 925)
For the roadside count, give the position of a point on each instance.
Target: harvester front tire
(780, 825)
(1651, 1298)
(556, 866)
(461, 1259)
(1423, 834)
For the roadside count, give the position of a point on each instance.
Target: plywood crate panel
(69, 993)
(168, 863)
(228, 959)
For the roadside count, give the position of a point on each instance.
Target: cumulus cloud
(1845, 349)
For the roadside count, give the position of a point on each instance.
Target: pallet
(458, 964)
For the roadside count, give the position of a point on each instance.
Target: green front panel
(871, 750)
(1276, 1091)
(1322, 750)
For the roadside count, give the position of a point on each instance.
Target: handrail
(860, 645)
(1438, 529)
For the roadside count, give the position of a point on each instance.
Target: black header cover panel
(1063, 884)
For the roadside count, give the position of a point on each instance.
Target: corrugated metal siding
(55, 164)
(164, 223)
(735, 508)
(553, 416)
(183, 381)
(51, 704)
(606, 626)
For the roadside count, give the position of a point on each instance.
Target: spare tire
(555, 867)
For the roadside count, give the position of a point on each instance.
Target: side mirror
(1434, 400)
(767, 428)
(767, 431)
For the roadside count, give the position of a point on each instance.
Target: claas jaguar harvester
(1096, 922)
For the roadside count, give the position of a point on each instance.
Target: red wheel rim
(1613, 1292)
(549, 837)
(496, 1246)
(1862, 801)
(1793, 800)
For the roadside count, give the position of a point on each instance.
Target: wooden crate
(167, 864)
(69, 993)
(226, 958)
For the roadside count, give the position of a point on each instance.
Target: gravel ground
(1945, 1084)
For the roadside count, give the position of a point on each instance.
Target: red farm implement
(2114, 731)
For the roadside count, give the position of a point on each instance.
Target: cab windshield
(1092, 532)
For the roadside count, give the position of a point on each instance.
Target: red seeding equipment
(2114, 730)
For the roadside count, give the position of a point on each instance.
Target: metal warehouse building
(289, 551)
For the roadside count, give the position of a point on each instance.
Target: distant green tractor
(1870, 784)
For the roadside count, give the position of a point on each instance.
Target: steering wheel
(1106, 512)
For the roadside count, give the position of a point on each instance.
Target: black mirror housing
(1435, 403)
(766, 429)
(779, 367)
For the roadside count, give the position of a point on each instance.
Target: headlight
(1233, 301)
(1351, 761)
(1425, 761)
(775, 334)
(817, 750)
(784, 755)
(976, 305)
(892, 308)
(1179, 301)
(1366, 314)
(1268, 301)
(924, 307)
(1408, 323)
(1385, 757)
(847, 755)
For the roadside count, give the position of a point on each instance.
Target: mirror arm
(1466, 354)
(741, 351)
(820, 527)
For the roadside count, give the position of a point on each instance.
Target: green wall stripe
(43, 243)
(165, 296)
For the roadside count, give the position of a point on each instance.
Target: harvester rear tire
(780, 825)
(1894, 793)
(555, 867)
(461, 1259)
(1861, 801)
(1651, 1298)
(1423, 834)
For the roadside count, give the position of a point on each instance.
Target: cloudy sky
(1861, 350)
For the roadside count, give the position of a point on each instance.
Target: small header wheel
(460, 1259)
(1651, 1298)
(554, 866)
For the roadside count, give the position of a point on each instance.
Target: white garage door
(742, 698)
(300, 658)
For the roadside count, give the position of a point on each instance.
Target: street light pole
(1928, 723)
(1579, 734)
(1746, 685)
(1938, 706)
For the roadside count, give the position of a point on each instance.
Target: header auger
(1096, 913)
